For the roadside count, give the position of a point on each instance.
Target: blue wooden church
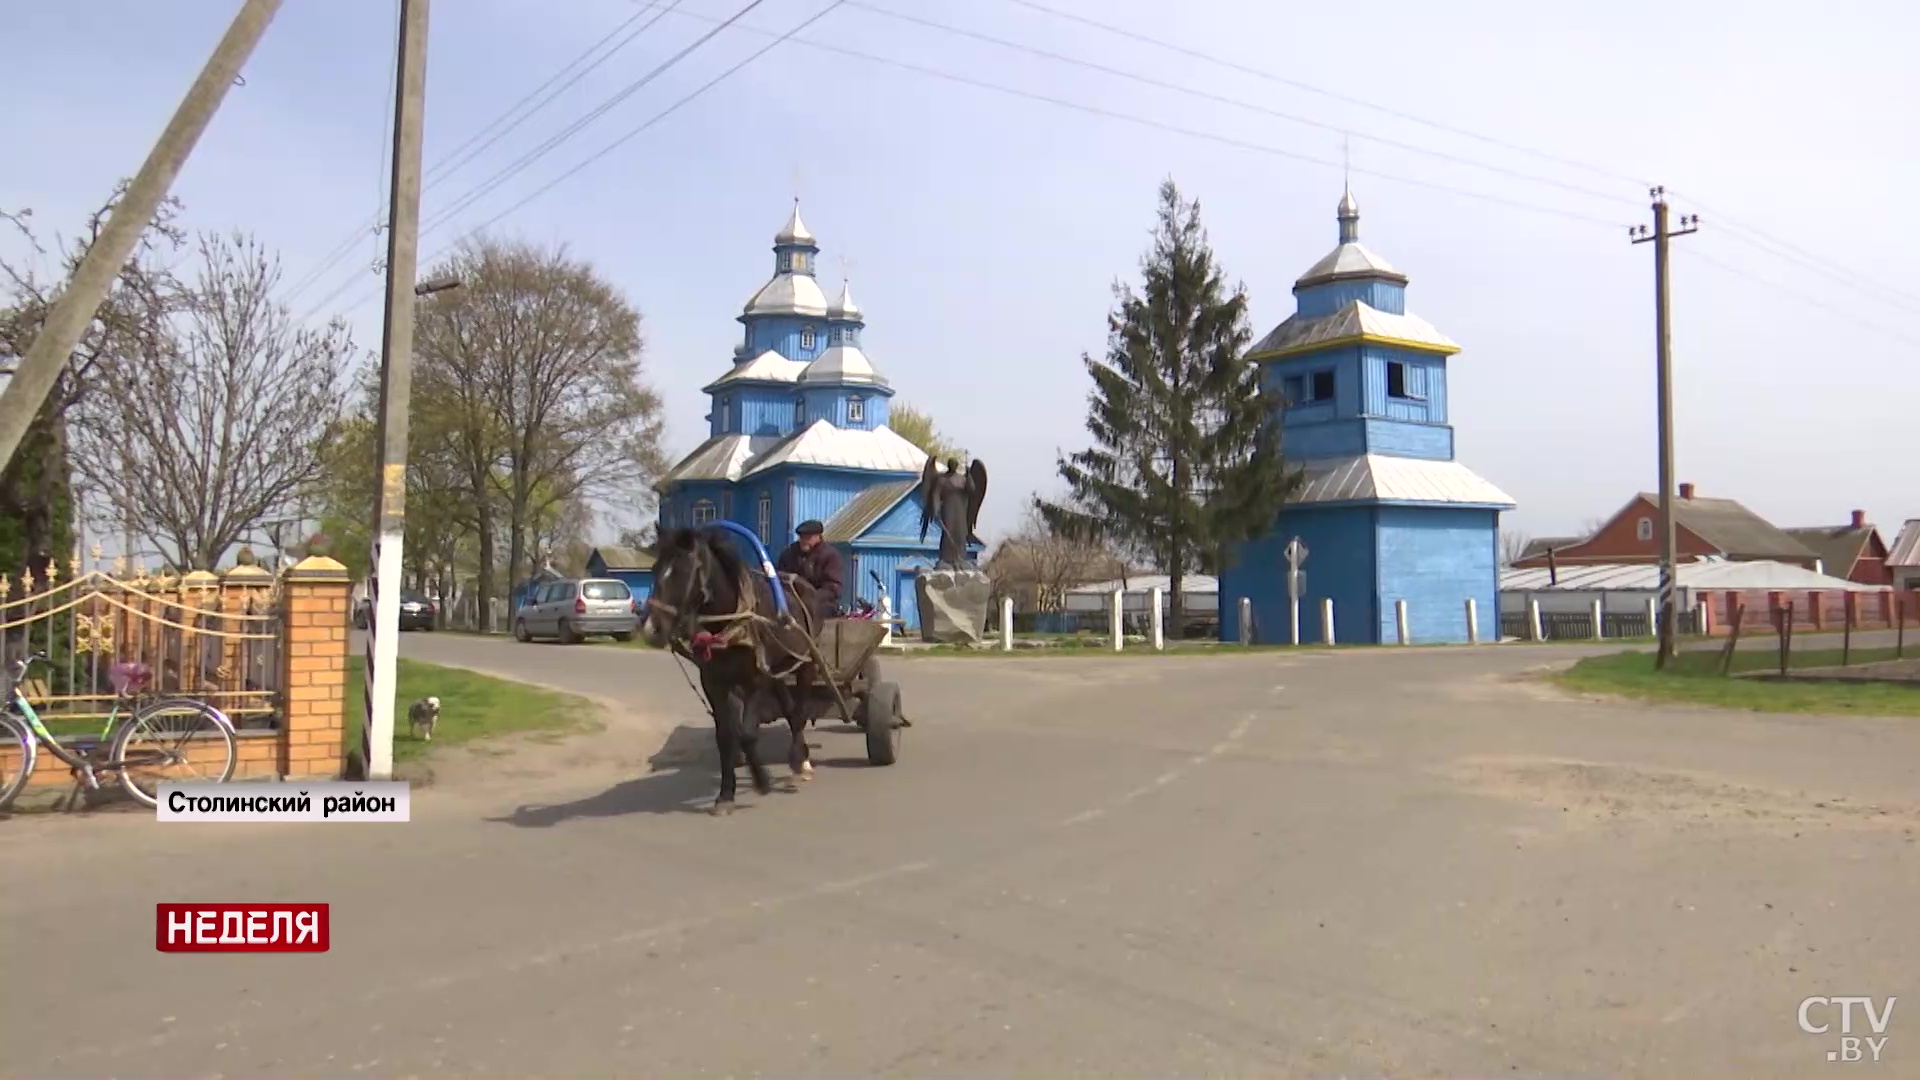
(798, 430)
(1386, 513)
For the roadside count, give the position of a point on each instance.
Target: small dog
(422, 715)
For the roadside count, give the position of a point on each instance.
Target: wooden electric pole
(375, 760)
(1663, 363)
(32, 380)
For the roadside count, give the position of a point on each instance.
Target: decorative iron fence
(217, 638)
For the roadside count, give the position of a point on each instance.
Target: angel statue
(953, 499)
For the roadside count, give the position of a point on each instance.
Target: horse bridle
(688, 625)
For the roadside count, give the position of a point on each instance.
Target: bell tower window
(856, 410)
(807, 337)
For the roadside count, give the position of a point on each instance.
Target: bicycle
(195, 723)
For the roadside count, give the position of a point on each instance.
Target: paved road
(1353, 863)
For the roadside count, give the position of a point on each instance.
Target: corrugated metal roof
(1353, 320)
(878, 450)
(615, 557)
(1838, 547)
(769, 366)
(1906, 547)
(1645, 577)
(1195, 584)
(723, 457)
(1734, 529)
(852, 520)
(1380, 478)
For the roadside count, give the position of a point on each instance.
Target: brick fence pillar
(313, 669)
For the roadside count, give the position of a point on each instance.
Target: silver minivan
(570, 610)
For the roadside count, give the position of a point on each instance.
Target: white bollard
(1533, 620)
(1599, 622)
(1119, 625)
(1400, 619)
(1653, 617)
(1246, 621)
(1006, 623)
(1704, 624)
(1326, 620)
(1157, 619)
(886, 620)
(1293, 620)
(1473, 621)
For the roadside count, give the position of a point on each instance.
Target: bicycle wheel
(15, 736)
(177, 740)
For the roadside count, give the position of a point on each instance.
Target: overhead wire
(1689, 252)
(1806, 260)
(447, 164)
(1239, 103)
(633, 133)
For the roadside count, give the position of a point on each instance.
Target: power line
(487, 186)
(1437, 125)
(1226, 140)
(630, 135)
(1852, 318)
(1242, 103)
(447, 163)
(1807, 260)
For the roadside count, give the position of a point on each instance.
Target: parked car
(416, 612)
(572, 609)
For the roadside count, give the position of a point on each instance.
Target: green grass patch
(1694, 678)
(472, 706)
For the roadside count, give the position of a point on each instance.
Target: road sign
(1296, 584)
(1296, 553)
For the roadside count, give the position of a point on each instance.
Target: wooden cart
(848, 646)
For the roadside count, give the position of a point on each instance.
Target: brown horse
(708, 607)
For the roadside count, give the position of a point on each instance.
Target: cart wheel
(883, 723)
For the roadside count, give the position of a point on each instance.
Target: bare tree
(1037, 566)
(36, 496)
(537, 361)
(212, 424)
(1513, 544)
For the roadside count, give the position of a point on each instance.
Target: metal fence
(1578, 625)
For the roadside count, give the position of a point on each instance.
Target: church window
(1645, 529)
(806, 337)
(1322, 386)
(1403, 381)
(799, 262)
(1294, 387)
(703, 513)
(799, 414)
(764, 523)
(856, 410)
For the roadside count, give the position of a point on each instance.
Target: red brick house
(1853, 551)
(1705, 527)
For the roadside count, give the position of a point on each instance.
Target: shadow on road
(682, 777)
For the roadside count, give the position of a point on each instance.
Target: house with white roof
(798, 430)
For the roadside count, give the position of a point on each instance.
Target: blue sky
(984, 230)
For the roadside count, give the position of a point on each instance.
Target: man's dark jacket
(822, 568)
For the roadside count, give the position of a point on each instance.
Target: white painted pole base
(1155, 597)
(1400, 620)
(1006, 623)
(1326, 620)
(1473, 621)
(1293, 620)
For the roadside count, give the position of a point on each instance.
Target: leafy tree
(535, 365)
(1186, 458)
(917, 428)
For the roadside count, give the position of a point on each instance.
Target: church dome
(795, 231)
(1352, 260)
(842, 364)
(788, 294)
(845, 308)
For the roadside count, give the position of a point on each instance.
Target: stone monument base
(953, 606)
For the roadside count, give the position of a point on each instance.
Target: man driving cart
(813, 560)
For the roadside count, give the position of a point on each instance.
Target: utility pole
(375, 760)
(47, 357)
(1663, 363)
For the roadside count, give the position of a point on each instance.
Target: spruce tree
(1186, 458)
